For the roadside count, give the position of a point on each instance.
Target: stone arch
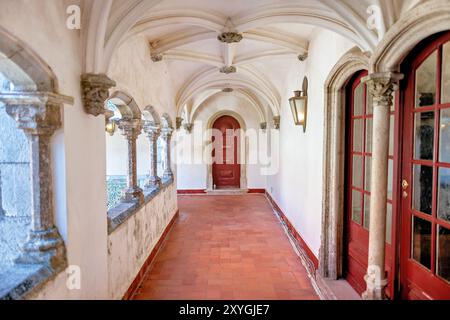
(331, 250)
(23, 67)
(151, 116)
(244, 144)
(126, 105)
(238, 94)
(166, 121)
(418, 24)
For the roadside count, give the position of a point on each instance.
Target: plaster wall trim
(243, 147)
(424, 20)
(331, 249)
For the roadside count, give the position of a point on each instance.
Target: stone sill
(123, 211)
(18, 281)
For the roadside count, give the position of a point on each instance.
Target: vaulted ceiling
(221, 44)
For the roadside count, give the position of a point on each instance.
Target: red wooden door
(358, 168)
(425, 241)
(226, 167)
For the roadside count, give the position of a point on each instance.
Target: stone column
(39, 115)
(131, 129)
(153, 133)
(166, 134)
(380, 86)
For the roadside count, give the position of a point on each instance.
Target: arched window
(116, 161)
(31, 248)
(15, 185)
(124, 125)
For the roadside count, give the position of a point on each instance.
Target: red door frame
(421, 278)
(236, 166)
(351, 228)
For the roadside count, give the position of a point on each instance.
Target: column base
(134, 194)
(44, 247)
(153, 182)
(376, 287)
(168, 176)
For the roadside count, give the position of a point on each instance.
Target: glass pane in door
(421, 242)
(356, 206)
(358, 107)
(443, 253)
(366, 211)
(357, 172)
(369, 126)
(445, 82)
(424, 136)
(444, 140)
(444, 194)
(423, 188)
(358, 135)
(426, 82)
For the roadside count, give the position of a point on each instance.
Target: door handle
(405, 186)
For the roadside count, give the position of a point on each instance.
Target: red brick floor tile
(226, 247)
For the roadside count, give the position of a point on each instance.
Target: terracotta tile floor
(226, 247)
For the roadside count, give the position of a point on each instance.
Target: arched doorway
(226, 167)
(425, 174)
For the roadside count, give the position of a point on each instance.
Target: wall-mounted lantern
(299, 105)
(111, 127)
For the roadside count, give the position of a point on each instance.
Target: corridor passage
(226, 247)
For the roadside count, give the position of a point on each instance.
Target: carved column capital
(381, 86)
(188, 127)
(179, 122)
(263, 125)
(95, 91)
(276, 122)
(35, 113)
(166, 133)
(152, 131)
(131, 128)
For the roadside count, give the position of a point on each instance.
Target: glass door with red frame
(425, 243)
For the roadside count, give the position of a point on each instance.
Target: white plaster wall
(191, 155)
(148, 83)
(297, 187)
(130, 244)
